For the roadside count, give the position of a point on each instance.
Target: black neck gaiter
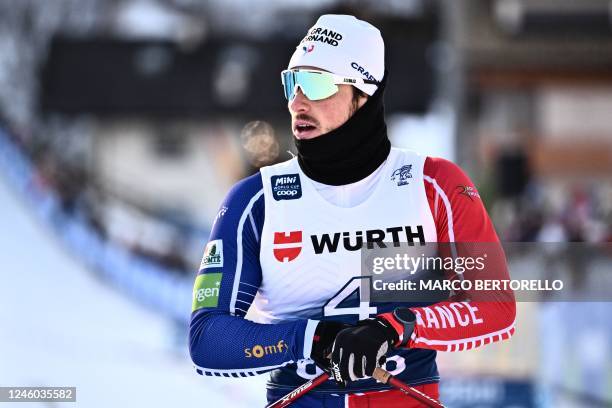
(351, 152)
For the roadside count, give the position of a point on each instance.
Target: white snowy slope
(61, 326)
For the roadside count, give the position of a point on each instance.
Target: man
(285, 244)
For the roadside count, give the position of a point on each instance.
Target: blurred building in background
(538, 96)
(133, 118)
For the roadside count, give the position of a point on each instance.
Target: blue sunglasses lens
(314, 85)
(288, 84)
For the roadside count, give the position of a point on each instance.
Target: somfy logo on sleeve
(259, 351)
(286, 187)
(213, 255)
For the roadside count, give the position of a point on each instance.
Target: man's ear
(359, 98)
(362, 99)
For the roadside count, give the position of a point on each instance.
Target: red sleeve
(460, 217)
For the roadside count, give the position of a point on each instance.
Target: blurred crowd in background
(140, 114)
(579, 212)
(140, 229)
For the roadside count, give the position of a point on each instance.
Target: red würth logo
(287, 246)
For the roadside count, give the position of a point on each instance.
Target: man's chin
(309, 134)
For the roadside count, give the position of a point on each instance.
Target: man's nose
(300, 102)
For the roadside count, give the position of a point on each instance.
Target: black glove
(358, 350)
(323, 340)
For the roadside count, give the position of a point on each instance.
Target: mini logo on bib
(402, 175)
(286, 187)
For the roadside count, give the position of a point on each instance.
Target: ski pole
(380, 375)
(299, 391)
(385, 377)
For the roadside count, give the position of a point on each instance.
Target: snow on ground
(61, 326)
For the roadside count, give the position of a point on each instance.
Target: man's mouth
(303, 129)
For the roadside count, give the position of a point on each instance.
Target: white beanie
(343, 45)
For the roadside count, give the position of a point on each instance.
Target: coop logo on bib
(286, 187)
(213, 255)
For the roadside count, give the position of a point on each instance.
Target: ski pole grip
(381, 375)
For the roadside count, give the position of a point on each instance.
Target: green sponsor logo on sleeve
(206, 290)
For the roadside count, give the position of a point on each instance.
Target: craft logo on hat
(344, 46)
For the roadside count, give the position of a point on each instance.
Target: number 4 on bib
(361, 285)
